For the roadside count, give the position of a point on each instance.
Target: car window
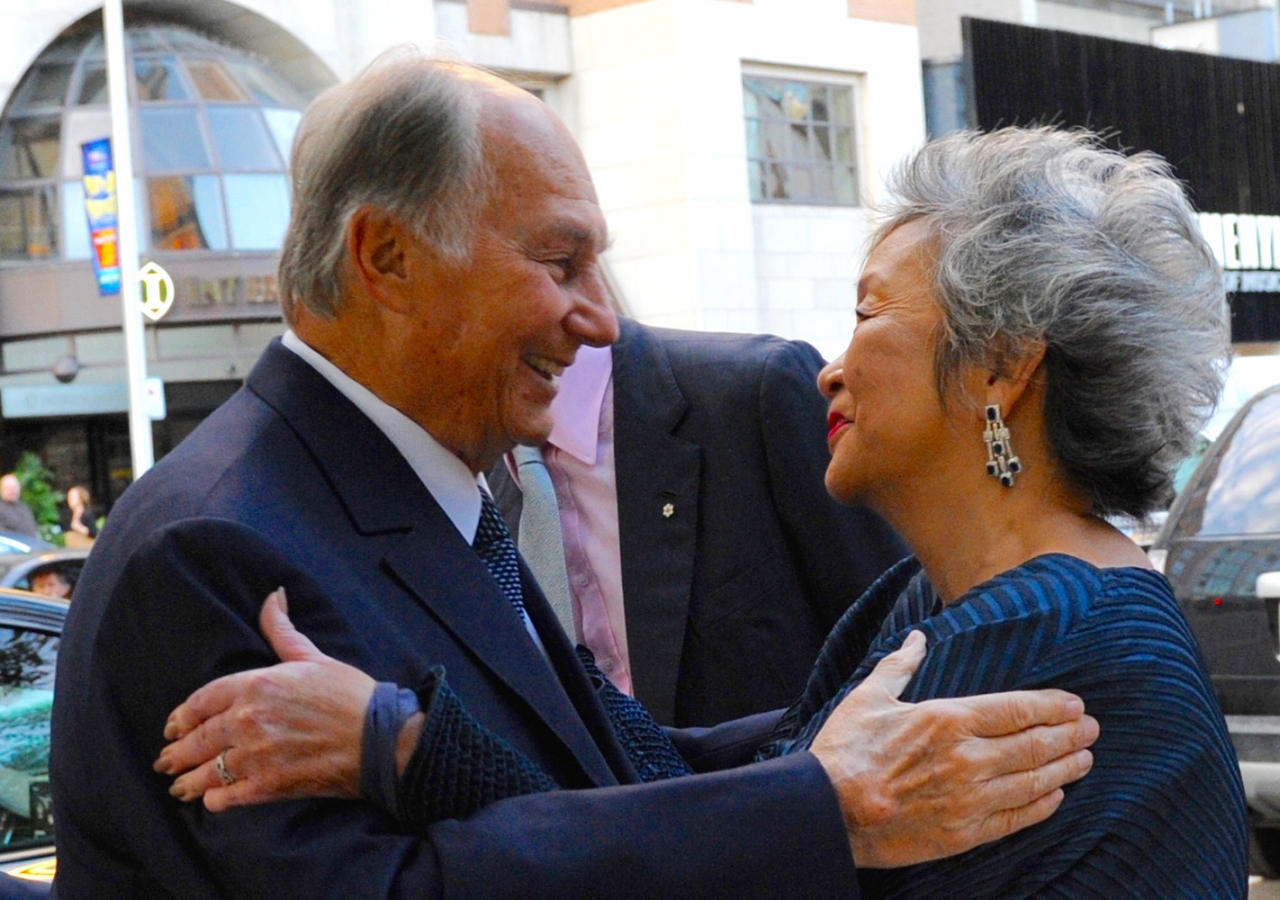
(27, 660)
(1240, 493)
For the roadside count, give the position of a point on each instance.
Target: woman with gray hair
(1041, 331)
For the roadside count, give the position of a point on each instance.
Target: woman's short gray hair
(1045, 235)
(403, 136)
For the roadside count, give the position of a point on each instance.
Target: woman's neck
(962, 541)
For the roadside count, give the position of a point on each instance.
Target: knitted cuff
(459, 766)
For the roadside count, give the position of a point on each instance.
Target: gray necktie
(541, 542)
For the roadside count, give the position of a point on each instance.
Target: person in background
(51, 582)
(78, 518)
(15, 515)
(705, 561)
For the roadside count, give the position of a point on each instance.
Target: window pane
(754, 148)
(74, 221)
(26, 701)
(141, 40)
(782, 141)
(1242, 494)
(796, 104)
(823, 188)
(768, 97)
(172, 140)
(158, 78)
(755, 172)
(241, 139)
(266, 87)
(284, 126)
(93, 86)
(29, 148)
(844, 144)
(846, 185)
(842, 105)
(801, 182)
(822, 142)
(186, 213)
(46, 86)
(214, 82)
(26, 224)
(820, 108)
(257, 210)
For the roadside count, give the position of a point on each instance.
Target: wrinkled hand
(291, 730)
(926, 780)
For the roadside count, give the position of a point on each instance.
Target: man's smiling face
(508, 319)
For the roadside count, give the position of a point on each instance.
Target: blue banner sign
(100, 206)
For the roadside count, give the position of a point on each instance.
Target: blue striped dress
(1162, 813)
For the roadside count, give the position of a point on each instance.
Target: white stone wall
(538, 44)
(656, 101)
(1098, 23)
(939, 22)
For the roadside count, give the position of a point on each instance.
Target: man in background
(15, 515)
(50, 582)
(705, 561)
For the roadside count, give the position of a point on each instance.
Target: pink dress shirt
(579, 457)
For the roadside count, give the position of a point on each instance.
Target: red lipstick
(835, 422)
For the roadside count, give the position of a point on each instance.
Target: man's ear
(1010, 375)
(377, 246)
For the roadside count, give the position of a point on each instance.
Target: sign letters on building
(1247, 248)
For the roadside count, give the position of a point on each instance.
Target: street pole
(141, 450)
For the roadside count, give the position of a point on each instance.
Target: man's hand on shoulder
(922, 781)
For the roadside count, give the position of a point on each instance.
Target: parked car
(21, 543)
(1220, 549)
(29, 633)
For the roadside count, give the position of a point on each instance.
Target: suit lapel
(658, 477)
(381, 493)
(455, 586)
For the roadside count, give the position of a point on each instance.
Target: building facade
(737, 146)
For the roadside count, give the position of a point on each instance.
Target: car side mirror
(1267, 587)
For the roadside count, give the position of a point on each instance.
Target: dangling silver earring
(1001, 463)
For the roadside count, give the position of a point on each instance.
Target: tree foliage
(39, 494)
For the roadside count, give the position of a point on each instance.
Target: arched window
(212, 127)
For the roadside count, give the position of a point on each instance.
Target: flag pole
(142, 452)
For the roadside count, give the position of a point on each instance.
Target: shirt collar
(448, 479)
(575, 411)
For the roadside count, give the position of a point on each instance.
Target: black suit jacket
(289, 484)
(728, 599)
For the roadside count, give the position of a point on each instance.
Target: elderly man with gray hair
(441, 269)
(16, 516)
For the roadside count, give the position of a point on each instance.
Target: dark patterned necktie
(493, 544)
(642, 739)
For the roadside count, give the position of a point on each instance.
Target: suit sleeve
(842, 550)
(184, 611)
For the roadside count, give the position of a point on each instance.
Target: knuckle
(1043, 748)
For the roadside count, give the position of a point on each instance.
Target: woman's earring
(1001, 463)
